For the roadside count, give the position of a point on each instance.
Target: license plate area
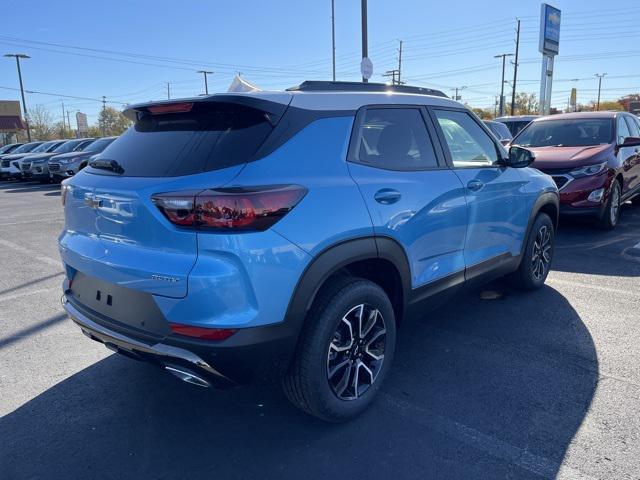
(120, 304)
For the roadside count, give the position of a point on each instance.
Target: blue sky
(279, 43)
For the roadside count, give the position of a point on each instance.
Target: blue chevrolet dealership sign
(549, 30)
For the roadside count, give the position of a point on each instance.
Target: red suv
(594, 158)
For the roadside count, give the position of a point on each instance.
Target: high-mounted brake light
(244, 209)
(202, 332)
(170, 108)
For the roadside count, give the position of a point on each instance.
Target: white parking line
(628, 293)
(495, 447)
(29, 252)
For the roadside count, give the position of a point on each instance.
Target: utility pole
(206, 85)
(457, 97)
(600, 77)
(365, 41)
(495, 107)
(18, 56)
(333, 37)
(104, 107)
(64, 121)
(392, 74)
(504, 57)
(69, 121)
(400, 63)
(168, 91)
(515, 70)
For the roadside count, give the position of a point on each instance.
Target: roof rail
(328, 86)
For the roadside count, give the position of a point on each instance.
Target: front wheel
(538, 254)
(611, 214)
(345, 350)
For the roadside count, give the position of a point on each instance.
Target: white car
(9, 166)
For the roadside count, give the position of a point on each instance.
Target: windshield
(44, 147)
(98, 145)
(69, 146)
(579, 132)
(7, 148)
(27, 147)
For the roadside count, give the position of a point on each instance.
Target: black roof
(328, 86)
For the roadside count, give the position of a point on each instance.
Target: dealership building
(11, 122)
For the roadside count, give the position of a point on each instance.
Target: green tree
(112, 122)
(483, 113)
(526, 103)
(41, 123)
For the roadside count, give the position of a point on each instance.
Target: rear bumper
(250, 356)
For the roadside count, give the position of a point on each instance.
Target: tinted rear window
(209, 137)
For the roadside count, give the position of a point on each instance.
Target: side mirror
(630, 142)
(520, 157)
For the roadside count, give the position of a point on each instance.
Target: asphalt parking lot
(538, 385)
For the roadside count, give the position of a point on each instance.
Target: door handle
(475, 185)
(387, 196)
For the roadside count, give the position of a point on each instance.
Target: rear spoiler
(273, 104)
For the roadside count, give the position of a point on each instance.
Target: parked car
(6, 149)
(68, 164)
(39, 166)
(500, 131)
(516, 123)
(23, 164)
(9, 166)
(238, 238)
(593, 158)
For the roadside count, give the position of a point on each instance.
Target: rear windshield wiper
(112, 165)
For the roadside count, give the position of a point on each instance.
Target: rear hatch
(113, 230)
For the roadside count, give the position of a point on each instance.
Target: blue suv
(241, 238)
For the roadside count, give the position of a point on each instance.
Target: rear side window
(394, 139)
(469, 144)
(633, 126)
(623, 129)
(209, 137)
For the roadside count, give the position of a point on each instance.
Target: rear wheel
(611, 214)
(345, 351)
(538, 254)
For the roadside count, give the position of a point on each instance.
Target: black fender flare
(334, 258)
(544, 199)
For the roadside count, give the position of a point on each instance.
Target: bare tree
(41, 123)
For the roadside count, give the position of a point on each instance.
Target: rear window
(209, 137)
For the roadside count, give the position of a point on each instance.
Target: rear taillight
(253, 209)
(202, 332)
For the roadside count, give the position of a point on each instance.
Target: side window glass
(623, 129)
(633, 126)
(395, 139)
(469, 144)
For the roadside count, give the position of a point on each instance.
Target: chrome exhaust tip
(187, 376)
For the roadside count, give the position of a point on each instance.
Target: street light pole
(18, 56)
(504, 57)
(333, 37)
(206, 85)
(365, 41)
(600, 77)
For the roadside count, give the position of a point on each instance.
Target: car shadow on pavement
(479, 389)
(583, 248)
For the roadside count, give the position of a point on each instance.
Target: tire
(611, 214)
(538, 254)
(315, 383)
